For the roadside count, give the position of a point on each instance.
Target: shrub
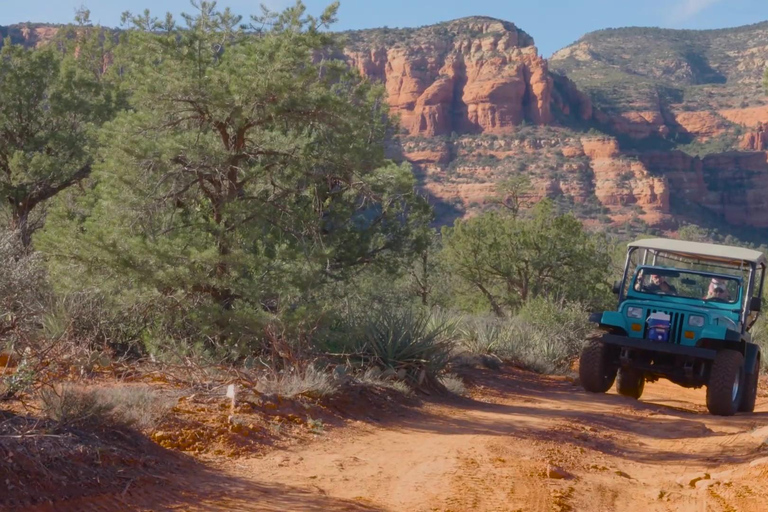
(73, 406)
(23, 288)
(759, 333)
(544, 336)
(138, 406)
(484, 335)
(405, 341)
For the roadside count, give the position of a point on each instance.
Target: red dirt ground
(520, 442)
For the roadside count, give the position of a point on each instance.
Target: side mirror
(616, 287)
(756, 304)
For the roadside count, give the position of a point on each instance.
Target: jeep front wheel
(630, 382)
(750, 389)
(595, 370)
(726, 383)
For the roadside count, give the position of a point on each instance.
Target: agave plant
(410, 343)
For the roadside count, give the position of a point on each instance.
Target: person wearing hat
(718, 290)
(657, 283)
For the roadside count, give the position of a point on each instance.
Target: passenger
(718, 290)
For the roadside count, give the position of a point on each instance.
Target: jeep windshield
(715, 288)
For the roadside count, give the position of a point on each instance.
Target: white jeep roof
(709, 252)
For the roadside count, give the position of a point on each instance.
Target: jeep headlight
(635, 312)
(696, 321)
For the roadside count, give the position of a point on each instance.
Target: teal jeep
(684, 313)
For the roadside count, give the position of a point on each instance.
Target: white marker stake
(232, 394)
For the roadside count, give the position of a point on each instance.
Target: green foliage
(50, 107)
(765, 79)
(406, 342)
(510, 260)
(247, 179)
(544, 336)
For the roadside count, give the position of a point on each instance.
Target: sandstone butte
(489, 82)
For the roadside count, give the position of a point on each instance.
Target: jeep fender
(610, 320)
(751, 355)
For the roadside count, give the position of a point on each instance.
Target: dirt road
(503, 449)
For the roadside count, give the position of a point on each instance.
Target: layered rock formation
(755, 140)
(481, 76)
(732, 185)
(29, 35)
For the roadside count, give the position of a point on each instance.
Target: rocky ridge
(478, 104)
(598, 128)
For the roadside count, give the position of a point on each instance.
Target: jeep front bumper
(638, 344)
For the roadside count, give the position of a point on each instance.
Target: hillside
(699, 84)
(631, 129)
(634, 125)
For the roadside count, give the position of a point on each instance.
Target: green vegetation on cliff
(628, 68)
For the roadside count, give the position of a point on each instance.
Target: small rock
(622, 474)
(703, 484)
(557, 473)
(690, 480)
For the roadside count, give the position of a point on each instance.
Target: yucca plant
(406, 342)
(484, 335)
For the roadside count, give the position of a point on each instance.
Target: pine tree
(249, 171)
(50, 107)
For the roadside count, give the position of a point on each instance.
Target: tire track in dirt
(491, 452)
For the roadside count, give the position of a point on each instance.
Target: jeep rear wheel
(750, 389)
(726, 383)
(630, 382)
(595, 370)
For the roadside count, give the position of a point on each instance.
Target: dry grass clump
(309, 382)
(453, 384)
(375, 377)
(73, 406)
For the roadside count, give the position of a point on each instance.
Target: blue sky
(552, 23)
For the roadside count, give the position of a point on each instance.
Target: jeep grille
(676, 319)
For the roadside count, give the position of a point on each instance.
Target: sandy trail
(492, 452)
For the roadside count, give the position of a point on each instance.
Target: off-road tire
(726, 369)
(749, 395)
(630, 382)
(595, 371)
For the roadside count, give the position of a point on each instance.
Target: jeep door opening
(684, 314)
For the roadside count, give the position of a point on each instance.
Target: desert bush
(544, 336)
(138, 406)
(404, 341)
(23, 288)
(760, 336)
(73, 406)
(484, 335)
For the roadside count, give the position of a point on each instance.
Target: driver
(657, 284)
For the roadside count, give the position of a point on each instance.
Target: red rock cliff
(485, 76)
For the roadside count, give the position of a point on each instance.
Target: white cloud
(684, 10)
